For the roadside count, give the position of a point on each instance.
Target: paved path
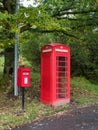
(77, 119)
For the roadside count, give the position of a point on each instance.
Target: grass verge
(83, 93)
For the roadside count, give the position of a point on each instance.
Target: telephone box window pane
(61, 96)
(61, 76)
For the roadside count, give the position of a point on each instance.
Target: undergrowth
(83, 92)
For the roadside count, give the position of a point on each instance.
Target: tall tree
(8, 7)
(72, 18)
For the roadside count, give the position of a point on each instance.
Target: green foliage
(79, 58)
(1, 72)
(69, 22)
(69, 17)
(1, 64)
(82, 88)
(35, 41)
(31, 51)
(84, 56)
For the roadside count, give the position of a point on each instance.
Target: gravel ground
(77, 119)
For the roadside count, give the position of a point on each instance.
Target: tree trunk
(9, 61)
(10, 7)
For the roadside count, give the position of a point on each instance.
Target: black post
(23, 98)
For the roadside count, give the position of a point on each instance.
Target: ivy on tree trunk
(9, 61)
(10, 7)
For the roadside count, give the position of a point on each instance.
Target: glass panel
(61, 76)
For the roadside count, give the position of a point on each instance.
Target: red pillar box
(23, 79)
(55, 74)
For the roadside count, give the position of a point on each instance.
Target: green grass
(13, 116)
(83, 92)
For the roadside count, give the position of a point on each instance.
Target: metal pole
(23, 89)
(16, 56)
(15, 69)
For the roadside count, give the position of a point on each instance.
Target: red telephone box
(23, 79)
(55, 74)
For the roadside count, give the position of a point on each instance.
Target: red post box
(55, 74)
(23, 79)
